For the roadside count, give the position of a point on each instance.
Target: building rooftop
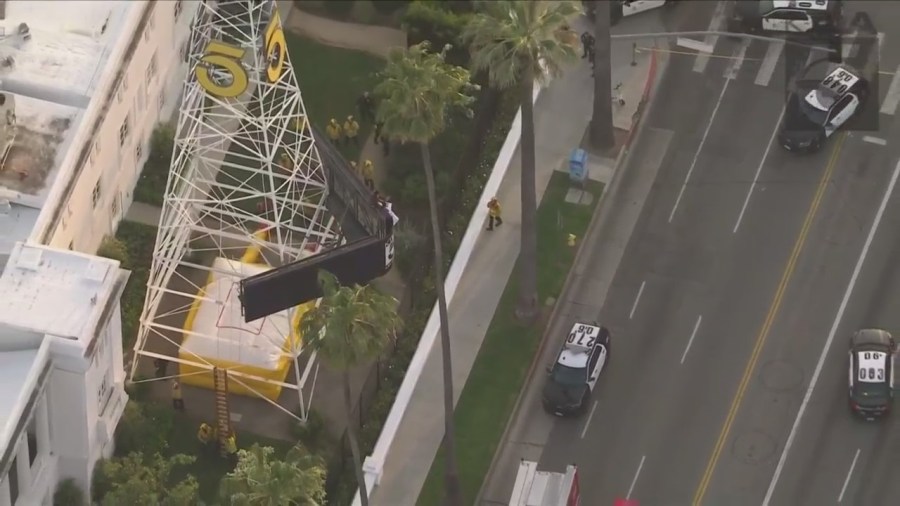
(52, 57)
(61, 293)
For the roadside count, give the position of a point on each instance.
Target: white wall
(146, 94)
(87, 398)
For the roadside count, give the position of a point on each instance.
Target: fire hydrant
(571, 240)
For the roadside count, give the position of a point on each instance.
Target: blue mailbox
(578, 169)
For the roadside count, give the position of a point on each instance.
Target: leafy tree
(518, 43)
(68, 493)
(418, 89)
(350, 326)
(261, 480)
(137, 480)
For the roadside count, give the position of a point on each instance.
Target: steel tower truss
(245, 175)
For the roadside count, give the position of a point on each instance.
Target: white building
(83, 84)
(90, 83)
(62, 390)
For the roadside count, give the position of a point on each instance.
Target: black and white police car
(623, 8)
(813, 17)
(817, 109)
(572, 377)
(871, 372)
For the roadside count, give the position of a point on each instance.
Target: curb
(620, 158)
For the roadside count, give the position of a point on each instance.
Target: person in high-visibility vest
(231, 447)
(205, 434)
(351, 130)
(334, 131)
(494, 213)
(368, 174)
(177, 399)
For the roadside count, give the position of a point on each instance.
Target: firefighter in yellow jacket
(494, 213)
(333, 130)
(351, 130)
(368, 174)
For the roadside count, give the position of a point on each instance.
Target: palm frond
(509, 38)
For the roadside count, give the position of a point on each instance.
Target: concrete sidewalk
(562, 113)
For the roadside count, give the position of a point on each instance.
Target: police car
(814, 17)
(871, 372)
(572, 377)
(623, 8)
(816, 109)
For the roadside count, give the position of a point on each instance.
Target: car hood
(563, 395)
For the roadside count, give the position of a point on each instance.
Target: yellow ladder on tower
(223, 418)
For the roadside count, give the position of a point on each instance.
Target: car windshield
(801, 115)
(872, 391)
(569, 376)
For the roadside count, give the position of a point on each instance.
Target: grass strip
(501, 367)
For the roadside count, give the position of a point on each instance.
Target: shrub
(389, 7)
(151, 186)
(145, 427)
(339, 9)
(68, 494)
(114, 249)
(313, 433)
(364, 12)
(436, 23)
(408, 242)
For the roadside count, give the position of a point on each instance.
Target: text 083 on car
(871, 372)
(573, 375)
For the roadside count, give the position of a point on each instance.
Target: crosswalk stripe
(767, 68)
(718, 20)
(892, 99)
(732, 70)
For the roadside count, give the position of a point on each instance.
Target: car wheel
(585, 400)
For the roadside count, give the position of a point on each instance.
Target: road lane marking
(832, 333)
(696, 45)
(717, 21)
(637, 299)
(691, 340)
(773, 52)
(892, 98)
(762, 162)
(849, 474)
(847, 48)
(770, 319)
(687, 178)
(875, 140)
(634, 480)
(732, 70)
(588, 422)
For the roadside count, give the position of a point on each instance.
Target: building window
(71, 245)
(162, 99)
(184, 50)
(116, 205)
(31, 440)
(123, 131)
(138, 152)
(13, 478)
(151, 69)
(150, 26)
(104, 392)
(95, 195)
(177, 9)
(120, 95)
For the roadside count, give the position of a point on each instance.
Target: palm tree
(350, 326)
(417, 91)
(517, 43)
(261, 480)
(601, 120)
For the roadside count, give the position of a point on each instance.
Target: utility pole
(601, 130)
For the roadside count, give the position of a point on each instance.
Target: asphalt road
(719, 311)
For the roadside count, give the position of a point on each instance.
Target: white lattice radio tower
(246, 192)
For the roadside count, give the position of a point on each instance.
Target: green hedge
(151, 187)
(440, 24)
(138, 241)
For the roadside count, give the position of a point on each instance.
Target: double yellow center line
(770, 319)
